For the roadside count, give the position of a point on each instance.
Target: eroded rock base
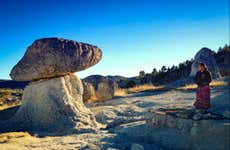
(53, 105)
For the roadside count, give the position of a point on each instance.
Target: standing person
(203, 79)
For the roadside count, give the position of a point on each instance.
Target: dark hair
(203, 65)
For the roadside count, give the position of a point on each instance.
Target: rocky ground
(125, 122)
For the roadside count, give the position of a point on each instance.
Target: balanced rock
(104, 87)
(54, 105)
(88, 92)
(206, 56)
(53, 99)
(52, 57)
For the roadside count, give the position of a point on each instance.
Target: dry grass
(149, 87)
(9, 98)
(4, 94)
(218, 83)
(136, 89)
(7, 137)
(145, 87)
(120, 92)
(212, 84)
(17, 141)
(92, 99)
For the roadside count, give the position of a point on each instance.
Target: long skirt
(203, 98)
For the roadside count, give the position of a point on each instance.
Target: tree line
(168, 74)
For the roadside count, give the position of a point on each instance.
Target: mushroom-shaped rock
(53, 57)
(53, 105)
(53, 99)
(205, 55)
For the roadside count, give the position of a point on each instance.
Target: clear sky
(134, 35)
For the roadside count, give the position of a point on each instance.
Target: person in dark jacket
(203, 79)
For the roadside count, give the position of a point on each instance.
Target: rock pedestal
(53, 105)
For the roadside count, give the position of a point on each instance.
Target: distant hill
(117, 78)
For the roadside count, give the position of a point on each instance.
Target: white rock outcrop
(179, 133)
(55, 105)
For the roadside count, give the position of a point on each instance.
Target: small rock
(207, 116)
(226, 114)
(197, 116)
(135, 146)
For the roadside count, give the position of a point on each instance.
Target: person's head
(202, 67)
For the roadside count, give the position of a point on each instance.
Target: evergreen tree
(154, 72)
(163, 69)
(142, 74)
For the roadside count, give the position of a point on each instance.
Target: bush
(130, 84)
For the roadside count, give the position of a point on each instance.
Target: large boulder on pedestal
(104, 87)
(53, 99)
(54, 105)
(206, 56)
(53, 57)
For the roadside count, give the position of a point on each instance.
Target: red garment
(203, 98)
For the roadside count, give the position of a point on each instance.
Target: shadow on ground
(7, 126)
(8, 113)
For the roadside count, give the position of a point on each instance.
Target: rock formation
(104, 87)
(53, 57)
(179, 133)
(54, 104)
(88, 92)
(206, 56)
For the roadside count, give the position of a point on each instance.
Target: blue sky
(134, 35)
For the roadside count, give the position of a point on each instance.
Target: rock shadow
(6, 125)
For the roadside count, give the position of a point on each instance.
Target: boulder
(53, 105)
(53, 57)
(103, 86)
(206, 56)
(88, 92)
